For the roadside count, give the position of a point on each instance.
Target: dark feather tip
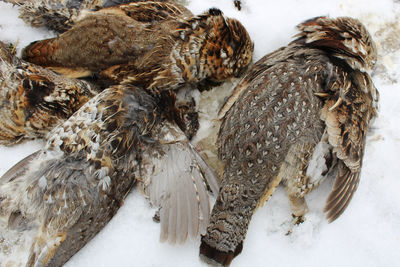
(214, 11)
(312, 21)
(216, 257)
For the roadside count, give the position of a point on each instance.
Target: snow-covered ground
(367, 234)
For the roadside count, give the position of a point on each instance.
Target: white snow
(317, 165)
(367, 234)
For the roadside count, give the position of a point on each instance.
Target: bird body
(54, 201)
(157, 45)
(33, 100)
(105, 38)
(300, 113)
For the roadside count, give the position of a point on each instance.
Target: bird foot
(238, 4)
(156, 217)
(295, 221)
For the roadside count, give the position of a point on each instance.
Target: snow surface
(367, 234)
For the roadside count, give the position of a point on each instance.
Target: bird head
(228, 45)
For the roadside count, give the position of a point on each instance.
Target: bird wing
(152, 11)
(176, 179)
(347, 119)
(36, 212)
(63, 195)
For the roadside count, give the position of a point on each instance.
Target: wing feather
(153, 11)
(203, 201)
(173, 214)
(347, 117)
(182, 215)
(345, 185)
(18, 169)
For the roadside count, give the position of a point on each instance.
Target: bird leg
(299, 208)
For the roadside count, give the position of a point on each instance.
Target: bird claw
(295, 221)
(322, 94)
(338, 102)
(156, 217)
(298, 219)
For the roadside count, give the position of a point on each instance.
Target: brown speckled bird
(33, 100)
(157, 45)
(55, 200)
(299, 113)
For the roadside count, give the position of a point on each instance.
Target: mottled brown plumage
(33, 100)
(60, 15)
(183, 112)
(157, 45)
(54, 201)
(300, 113)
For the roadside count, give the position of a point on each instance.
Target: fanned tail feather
(177, 181)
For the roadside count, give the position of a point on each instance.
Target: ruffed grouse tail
(212, 255)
